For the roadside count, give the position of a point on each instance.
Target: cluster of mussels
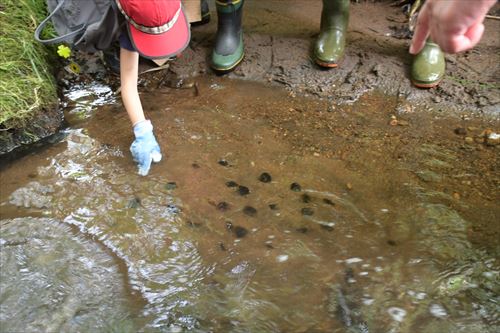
(265, 177)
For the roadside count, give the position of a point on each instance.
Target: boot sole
(426, 85)
(326, 64)
(228, 69)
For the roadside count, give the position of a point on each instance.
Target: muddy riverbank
(278, 40)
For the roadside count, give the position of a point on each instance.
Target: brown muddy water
(269, 213)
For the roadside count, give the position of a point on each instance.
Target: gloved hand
(145, 149)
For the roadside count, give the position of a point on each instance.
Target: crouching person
(155, 30)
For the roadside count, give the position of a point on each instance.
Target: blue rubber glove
(145, 149)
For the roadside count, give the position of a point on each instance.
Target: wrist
(142, 127)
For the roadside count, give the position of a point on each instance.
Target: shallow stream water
(268, 213)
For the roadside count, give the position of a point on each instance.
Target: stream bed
(269, 212)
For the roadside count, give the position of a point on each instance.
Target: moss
(27, 83)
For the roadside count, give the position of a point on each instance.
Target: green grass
(26, 81)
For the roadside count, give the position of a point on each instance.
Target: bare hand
(455, 25)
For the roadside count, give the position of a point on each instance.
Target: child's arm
(144, 149)
(129, 71)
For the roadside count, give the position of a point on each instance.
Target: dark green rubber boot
(428, 66)
(228, 49)
(330, 45)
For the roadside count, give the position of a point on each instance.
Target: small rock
(243, 190)
(250, 211)
(349, 186)
(391, 242)
(265, 177)
(429, 176)
(171, 186)
(437, 99)
(195, 165)
(306, 198)
(302, 230)
(306, 211)
(468, 139)
(492, 139)
(273, 206)
(134, 203)
(377, 69)
(480, 139)
(295, 187)
(456, 195)
(193, 224)
(328, 202)
(282, 258)
(460, 131)
(327, 227)
(403, 123)
(393, 122)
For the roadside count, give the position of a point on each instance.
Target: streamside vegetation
(27, 84)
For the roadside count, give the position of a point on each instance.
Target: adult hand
(145, 149)
(455, 25)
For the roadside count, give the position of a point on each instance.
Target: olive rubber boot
(228, 49)
(428, 66)
(329, 47)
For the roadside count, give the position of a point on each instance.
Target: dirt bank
(278, 38)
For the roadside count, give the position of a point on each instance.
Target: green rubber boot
(330, 45)
(428, 66)
(228, 50)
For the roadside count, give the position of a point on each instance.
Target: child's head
(157, 28)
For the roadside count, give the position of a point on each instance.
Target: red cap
(157, 28)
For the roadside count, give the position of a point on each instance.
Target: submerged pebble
(397, 314)
(134, 203)
(250, 211)
(328, 202)
(306, 211)
(438, 311)
(295, 187)
(243, 190)
(171, 186)
(302, 230)
(273, 206)
(327, 227)
(282, 258)
(265, 177)
(306, 198)
(193, 224)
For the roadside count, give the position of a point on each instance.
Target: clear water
(386, 233)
